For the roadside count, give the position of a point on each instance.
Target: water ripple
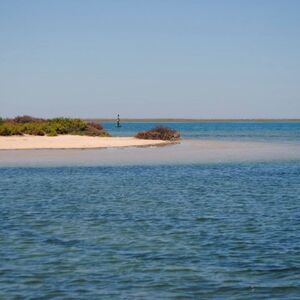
(226, 231)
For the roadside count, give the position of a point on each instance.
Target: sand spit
(72, 142)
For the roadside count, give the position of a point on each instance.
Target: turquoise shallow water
(226, 230)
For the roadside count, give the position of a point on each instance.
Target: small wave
(56, 241)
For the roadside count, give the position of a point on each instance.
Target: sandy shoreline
(72, 142)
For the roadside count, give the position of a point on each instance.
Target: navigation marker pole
(118, 121)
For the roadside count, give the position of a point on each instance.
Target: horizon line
(195, 119)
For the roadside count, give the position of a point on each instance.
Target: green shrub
(7, 130)
(52, 133)
(33, 128)
(65, 126)
(51, 127)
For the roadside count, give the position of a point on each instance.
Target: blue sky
(197, 59)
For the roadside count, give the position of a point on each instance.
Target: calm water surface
(242, 131)
(226, 230)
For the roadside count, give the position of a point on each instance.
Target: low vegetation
(159, 133)
(51, 127)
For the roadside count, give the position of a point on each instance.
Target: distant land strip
(155, 120)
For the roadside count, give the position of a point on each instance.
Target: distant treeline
(51, 127)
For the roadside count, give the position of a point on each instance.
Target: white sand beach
(72, 142)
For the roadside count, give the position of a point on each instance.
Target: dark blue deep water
(189, 231)
(220, 231)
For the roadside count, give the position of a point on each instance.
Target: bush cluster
(51, 127)
(24, 119)
(159, 133)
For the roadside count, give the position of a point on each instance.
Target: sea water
(241, 131)
(194, 230)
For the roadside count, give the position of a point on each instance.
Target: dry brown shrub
(159, 133)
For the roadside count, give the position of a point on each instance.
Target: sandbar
(28, 142)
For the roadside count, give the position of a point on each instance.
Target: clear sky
(164, 58)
